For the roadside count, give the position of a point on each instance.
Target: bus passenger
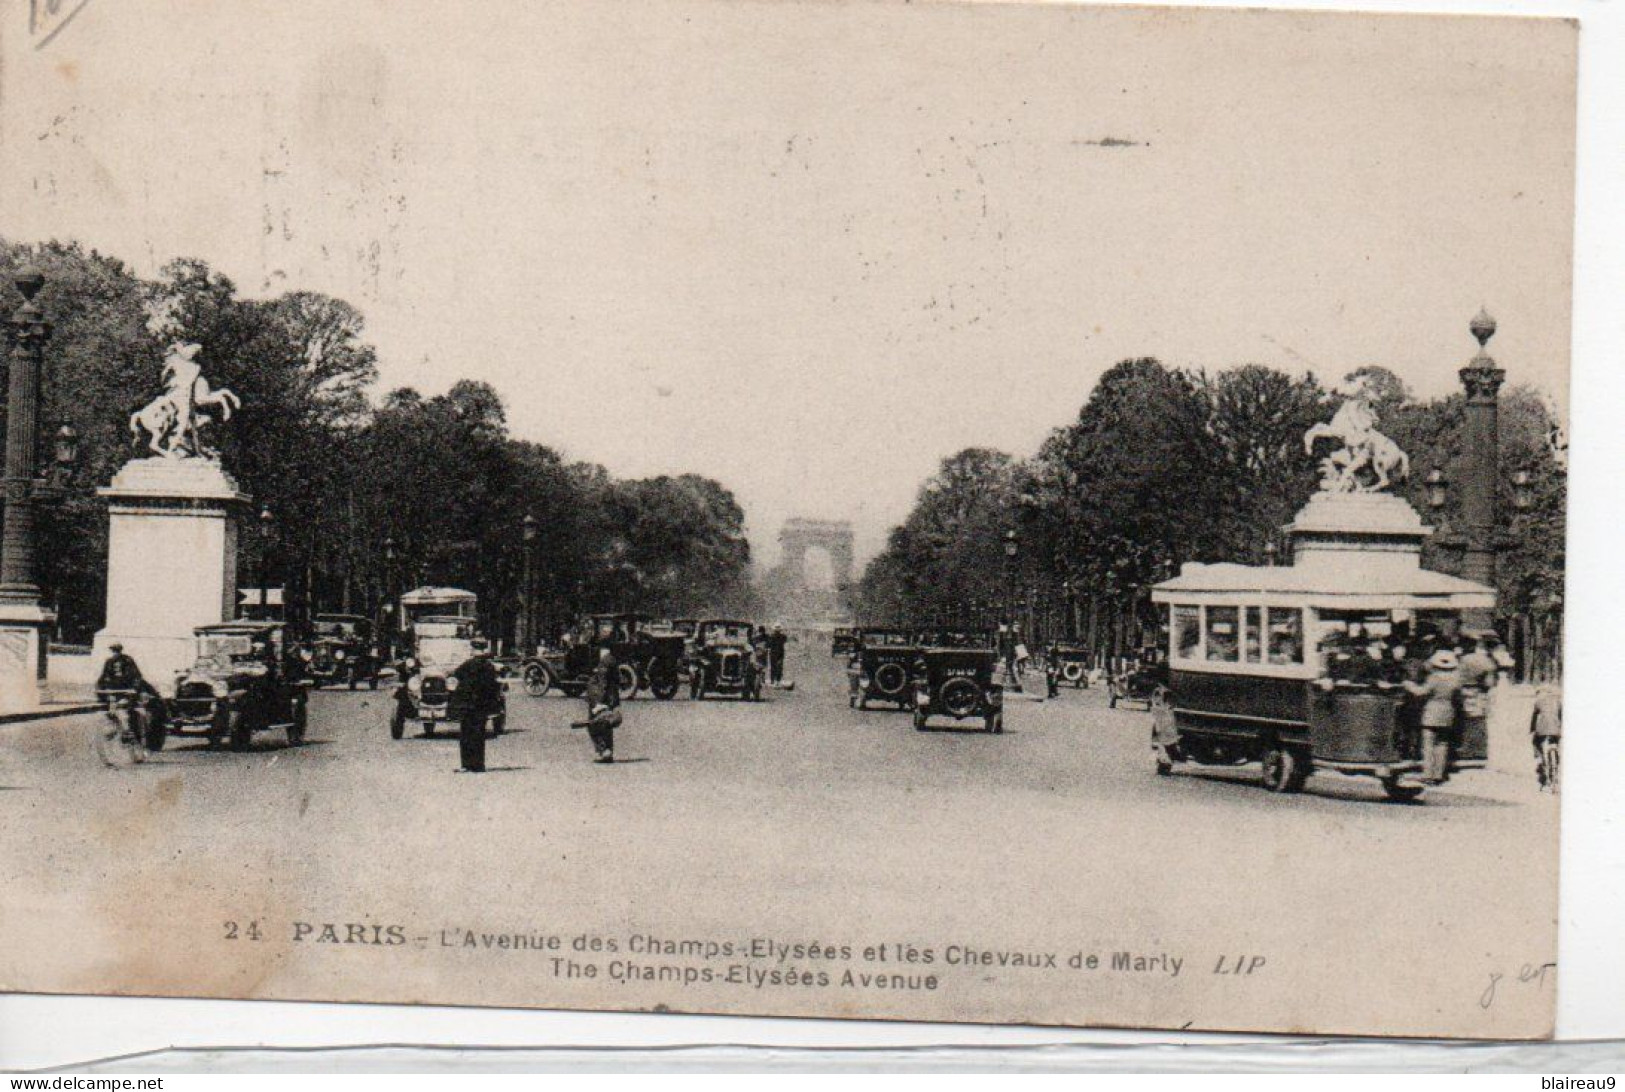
(1440, 693)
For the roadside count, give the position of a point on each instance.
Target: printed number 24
(251, 931)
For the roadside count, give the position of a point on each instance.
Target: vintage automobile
(1248, 679)
(433, 602)
(843, 642)
(342, 650)
(955, 675)
(725, 661)
(1140, 681)
(427, 678)
(648, 658)
(881, 668)
(1071, 663)
(238, 685)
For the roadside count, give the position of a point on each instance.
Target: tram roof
(1335, 587)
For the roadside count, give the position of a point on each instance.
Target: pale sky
(812, 248)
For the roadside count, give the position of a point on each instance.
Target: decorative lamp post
(1071, 627)
(1012, 547)
(266, 520)
(23, 662)
(527, 595)
(386, 608)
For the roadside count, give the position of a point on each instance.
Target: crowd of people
(1448, 685)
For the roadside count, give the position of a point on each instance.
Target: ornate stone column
(24, 624)
(1482, 379)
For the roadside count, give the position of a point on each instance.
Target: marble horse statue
(173, 422)
(1368, 461)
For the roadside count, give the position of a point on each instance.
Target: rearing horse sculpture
(173, 421)
(1364, 449)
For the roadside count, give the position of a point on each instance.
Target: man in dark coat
(776, 643)
(603, 701)
(477, 698)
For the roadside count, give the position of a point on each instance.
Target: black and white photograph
(993, 513)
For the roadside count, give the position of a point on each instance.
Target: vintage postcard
(984, 512)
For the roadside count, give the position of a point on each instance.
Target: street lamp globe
(1010, 544)
(1522, 499)
(1435, 488)
(67, 446)
(528, 524)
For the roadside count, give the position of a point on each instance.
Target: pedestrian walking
(1007, 653)
(777, 644)
(475, 699)
(1479, 673)
(1440, 694)
(603, 706)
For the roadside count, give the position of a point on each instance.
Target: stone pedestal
(171, 560)
(1357, 534)
(25, 631)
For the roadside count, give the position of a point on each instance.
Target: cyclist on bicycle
(121, 672)
(1546, 733)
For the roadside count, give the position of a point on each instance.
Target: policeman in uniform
(478, 697)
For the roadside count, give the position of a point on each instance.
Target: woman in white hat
(1440, 694)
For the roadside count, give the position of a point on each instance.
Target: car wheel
(629, 681)
(538, 680)
(1285, 771)
(572, 690)
(665, 689)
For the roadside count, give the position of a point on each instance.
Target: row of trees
(367, 496)
(1163, 466)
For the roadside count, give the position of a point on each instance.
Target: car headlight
(339, 654)
(414, 684)
(220, 688)
(451, 682)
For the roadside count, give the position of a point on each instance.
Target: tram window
(1254, 635)
(1187, 632)
(1286, 635)
(1223, 634)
